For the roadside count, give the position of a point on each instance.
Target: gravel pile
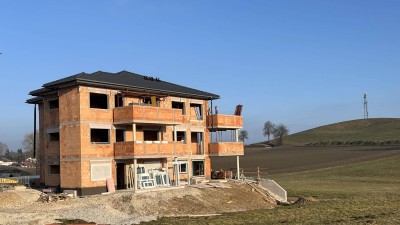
(128, 208)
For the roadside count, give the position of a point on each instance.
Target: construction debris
(299, 201)
(45, 198)
(211, 185)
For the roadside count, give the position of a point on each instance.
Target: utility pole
(365, 106)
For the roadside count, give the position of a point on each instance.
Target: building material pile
(44, 198)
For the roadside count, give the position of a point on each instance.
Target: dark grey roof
(125, 79)
(35, 100)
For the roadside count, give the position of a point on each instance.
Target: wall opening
(101, 136)
(179, 105)
(197, 142)
(150, 135)
(54, 169)
(53, 104)
(196, 111)
(183, 167)
(198, 168)
(53, 137)
(118, 101)
(180, 136)
(98, 101)
(119, 135)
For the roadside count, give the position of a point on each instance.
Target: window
(150, 135)
(196, 111)
(180, 136)
(100, 170)
(179, 105)
(100, 136)
(98, 101)
(154, 101)
(119, 101)
(54, 136)
(183, 167)
(119, 135)
(198, 168)
(53, 104)
(54, 169)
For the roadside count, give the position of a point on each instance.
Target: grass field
(288, 159)
(378, 130)
(358, 193)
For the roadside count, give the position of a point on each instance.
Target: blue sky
(301, 63)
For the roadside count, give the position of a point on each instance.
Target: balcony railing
(218, 121)
(150, 149)
(226, 148)
(147, 114)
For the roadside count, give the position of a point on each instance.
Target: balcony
(219, 121)
(147, 114)
(226, 148)
(150, 149)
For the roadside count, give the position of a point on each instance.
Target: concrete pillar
(238, 168)
(135, 175)
(175, 134)
(134, 131)
(237, 135)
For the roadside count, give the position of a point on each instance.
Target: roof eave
(204, 97)
(36, 100)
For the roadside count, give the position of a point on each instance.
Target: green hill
(385, 131)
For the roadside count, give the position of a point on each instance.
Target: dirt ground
(295, 159)
(21, 207)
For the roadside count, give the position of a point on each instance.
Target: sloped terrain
(370, 130)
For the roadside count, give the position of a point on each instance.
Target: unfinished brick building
(137, 130)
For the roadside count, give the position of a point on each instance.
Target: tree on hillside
(28, 143)
(3, 148)
(243, 135)
(268, 129)
(280, 132)
(20, 156)
(8, 154)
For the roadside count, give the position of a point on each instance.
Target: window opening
(150, 135)
(118, 100)
(54, 136)
(198, 168)
(119, 135)
(53, 104)
(98, 101)
(100, 135)
(179, 105)
(54, 169)
(196, 111)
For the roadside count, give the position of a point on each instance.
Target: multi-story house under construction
(128, 130)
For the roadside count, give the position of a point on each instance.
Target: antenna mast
(365, 106)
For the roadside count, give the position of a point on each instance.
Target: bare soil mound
(191, 201)
(18, 197)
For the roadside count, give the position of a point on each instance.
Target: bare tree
(268, 129)
(280, 132)
(3, 148)
(28, 143)
(243, 135)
